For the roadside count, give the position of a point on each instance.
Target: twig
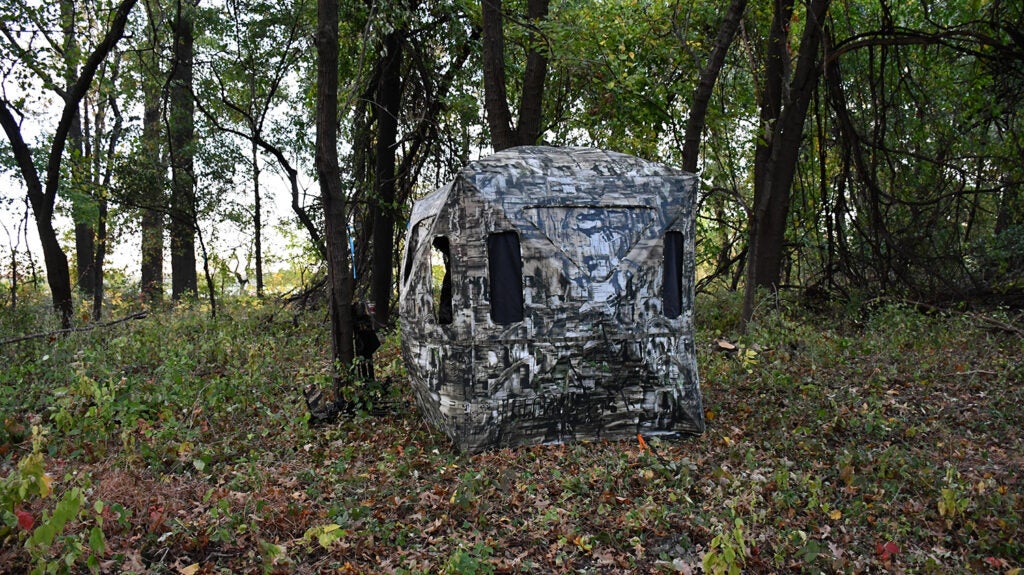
(999, 325)
(136, 315)
(976, 372)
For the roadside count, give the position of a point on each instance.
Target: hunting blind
(547, 296)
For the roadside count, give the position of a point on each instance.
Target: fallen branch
(999, 325)
(90, 327)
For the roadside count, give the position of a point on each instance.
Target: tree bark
(113, 139)
(153, 198)
(771, 209)
(58, 275)
(257, 218)
(81, 214)
(777, 59)
(499, 117)
(389, 101)
(706, 84)
(333, 197)
(43, 198)
(531, 103)
(181, 140)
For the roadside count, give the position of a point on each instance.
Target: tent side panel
(597, 354)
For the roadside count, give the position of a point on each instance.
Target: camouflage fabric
(594, 354)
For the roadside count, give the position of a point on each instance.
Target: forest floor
(879, 440)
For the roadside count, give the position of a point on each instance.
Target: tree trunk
(333, 197)
(389, 101)
(257, 217)
(181, 139)
(153, 198)
(98, 262)
(771, 208)
(706, 84)
(113, 139)
(531, 103)
(499, 118)
(85, 245)
(777, 59)
(81, 212)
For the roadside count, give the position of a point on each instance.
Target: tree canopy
(868, 147)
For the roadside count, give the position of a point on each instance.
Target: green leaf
(324, 534)
(97, 542)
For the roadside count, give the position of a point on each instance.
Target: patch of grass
(886, 439)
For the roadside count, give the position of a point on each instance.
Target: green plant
(469, 561)
(50, 548)
(953, 502)
(727, 552)
(325, 535)
(26, 482)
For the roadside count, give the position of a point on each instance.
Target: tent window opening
(441, 279)
(672, 289)
(505, 267)
(410, 252)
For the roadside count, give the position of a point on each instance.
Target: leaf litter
(834, 448)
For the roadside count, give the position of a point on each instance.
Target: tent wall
(591, 350)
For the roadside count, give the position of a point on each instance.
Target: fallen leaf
(887, 550)
(190, 570)
(25, 519)
(996, 563)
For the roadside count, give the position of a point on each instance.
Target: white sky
(125, 253)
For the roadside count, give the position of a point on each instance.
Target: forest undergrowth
(866, 439)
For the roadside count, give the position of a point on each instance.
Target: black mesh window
(505, 265)
(441, 284)
(410, 252)
(672, 292)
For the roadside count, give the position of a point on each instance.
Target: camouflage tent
(547, 295)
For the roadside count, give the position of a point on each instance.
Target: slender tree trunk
(531, 103)
(257, 217)
(113, 139)
(333, 197)
(14, 278)
(771, 209)
(153, 199)
(85, 245)
(777, 62)
(499, 118)
(210, 288)
(81, 210)
(181, 138)
(706, 83)
(389, 100)
(98, 262)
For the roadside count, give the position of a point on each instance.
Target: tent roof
(525, 161)
(518, 171)
(513, 178)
